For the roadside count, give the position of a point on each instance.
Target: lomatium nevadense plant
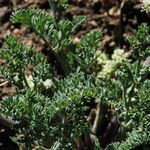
(52, 105)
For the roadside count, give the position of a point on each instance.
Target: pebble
(76, 40)
(16, 31)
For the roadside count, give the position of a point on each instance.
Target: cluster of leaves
(14, 52)
(53, 114)
(132, 106)
(53, 117)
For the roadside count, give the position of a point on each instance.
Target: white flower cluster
(101, 57)
(48, 83)
(119, 55)
(30, 81)
(107, 69)
(110, 65)
(146, 5)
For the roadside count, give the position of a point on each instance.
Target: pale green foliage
(133, 105)
(18, 57)
(56, 34)
(85, 53)
(65, 97)
(43, 25)
(134, 138)
(38, 20)
(140, 41)
(86, 50)
(58, 114)
(41, 117)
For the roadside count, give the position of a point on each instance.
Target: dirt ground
(116, 18)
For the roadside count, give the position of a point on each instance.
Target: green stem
(138, 68)
(126, 102)
(52, 4)
(60, 61)
(25, 81)
(124, 97)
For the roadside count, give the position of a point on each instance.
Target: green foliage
(85, 54)
(18, 57)
(86, 50)
(37, 20)
(43, 25)
(50, 112)
(140, 41)
(65, 97)
(68, 100)
(132, 106)
(134, 138)
(27, 106)
(56, 34)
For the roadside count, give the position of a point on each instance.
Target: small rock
(76, 40)
(30, 43)
(16, 31)
(93, 23)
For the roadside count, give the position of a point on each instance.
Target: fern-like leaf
(134, 139)
(18, 57)
(71, 90)
(36, 19)
(85, 53)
